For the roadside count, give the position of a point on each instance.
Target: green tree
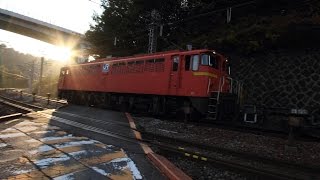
(255, 25)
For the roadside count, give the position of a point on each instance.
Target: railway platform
(77, 142)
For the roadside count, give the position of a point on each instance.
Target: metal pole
(31, 77)
(40, 77)
(153, 34)
(48, 100)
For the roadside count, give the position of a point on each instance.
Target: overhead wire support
(229, 14)
(212, 12)
(153, 33)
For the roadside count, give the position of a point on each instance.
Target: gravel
(271, 147)
(5, 110)
(203, 170)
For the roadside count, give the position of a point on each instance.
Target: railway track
(312, 135)
(287, 171)
(20, 105)
(238, 162)
(40, 100)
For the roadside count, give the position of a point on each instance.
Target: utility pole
(153, 33)
(40, 77)
(31, 77)
(1, 69)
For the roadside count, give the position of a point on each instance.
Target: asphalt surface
(38, 146)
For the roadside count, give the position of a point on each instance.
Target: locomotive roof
(146, 56)
(157, 54)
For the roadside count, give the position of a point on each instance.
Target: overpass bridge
(43, 31)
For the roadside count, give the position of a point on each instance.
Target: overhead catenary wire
(228, 9)
(139, 32)
(95, 2)
(211, 12)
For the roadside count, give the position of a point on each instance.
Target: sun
(62, 54)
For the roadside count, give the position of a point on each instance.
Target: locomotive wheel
(90, 100)
(131, 104)
(124, 106)
(155, 105)
(83, 99)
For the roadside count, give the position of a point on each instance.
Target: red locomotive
(160, 83)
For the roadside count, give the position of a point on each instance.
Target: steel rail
(43, 98)
(173, 148)
(169, 147)
(152, 136)
(29, 106)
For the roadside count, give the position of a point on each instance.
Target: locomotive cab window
(209, 59)
(195, 62)
(175, 63)
(187, 63)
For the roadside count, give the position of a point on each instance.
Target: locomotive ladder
(213, 105)
(214, 100)
(215, 97)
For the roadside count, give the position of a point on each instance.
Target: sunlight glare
(59, 53)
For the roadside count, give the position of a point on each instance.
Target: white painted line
(100, 171)
(41, 132)
(22, 171)
(43, 163)
(75, 143)
(78, 153)
(130, 165)
(43, 148)
(31, 141)
(56, 138)
(65, 177)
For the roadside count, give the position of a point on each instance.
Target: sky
(75, 15)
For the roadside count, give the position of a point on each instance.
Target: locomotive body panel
(178, 73)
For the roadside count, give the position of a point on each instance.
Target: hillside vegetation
(255, 26)
(16, 71)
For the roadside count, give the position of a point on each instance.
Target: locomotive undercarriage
(171, 106)
(228, 110)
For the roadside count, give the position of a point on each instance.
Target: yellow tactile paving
(32, 137)
(53, 154)
(29, 176)
(9, 130)
(61, 169)
(26, 129)
(61, 133)
(65, 150)
(41, 120)
(25, 143)
(123, 175)
(103, 158)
